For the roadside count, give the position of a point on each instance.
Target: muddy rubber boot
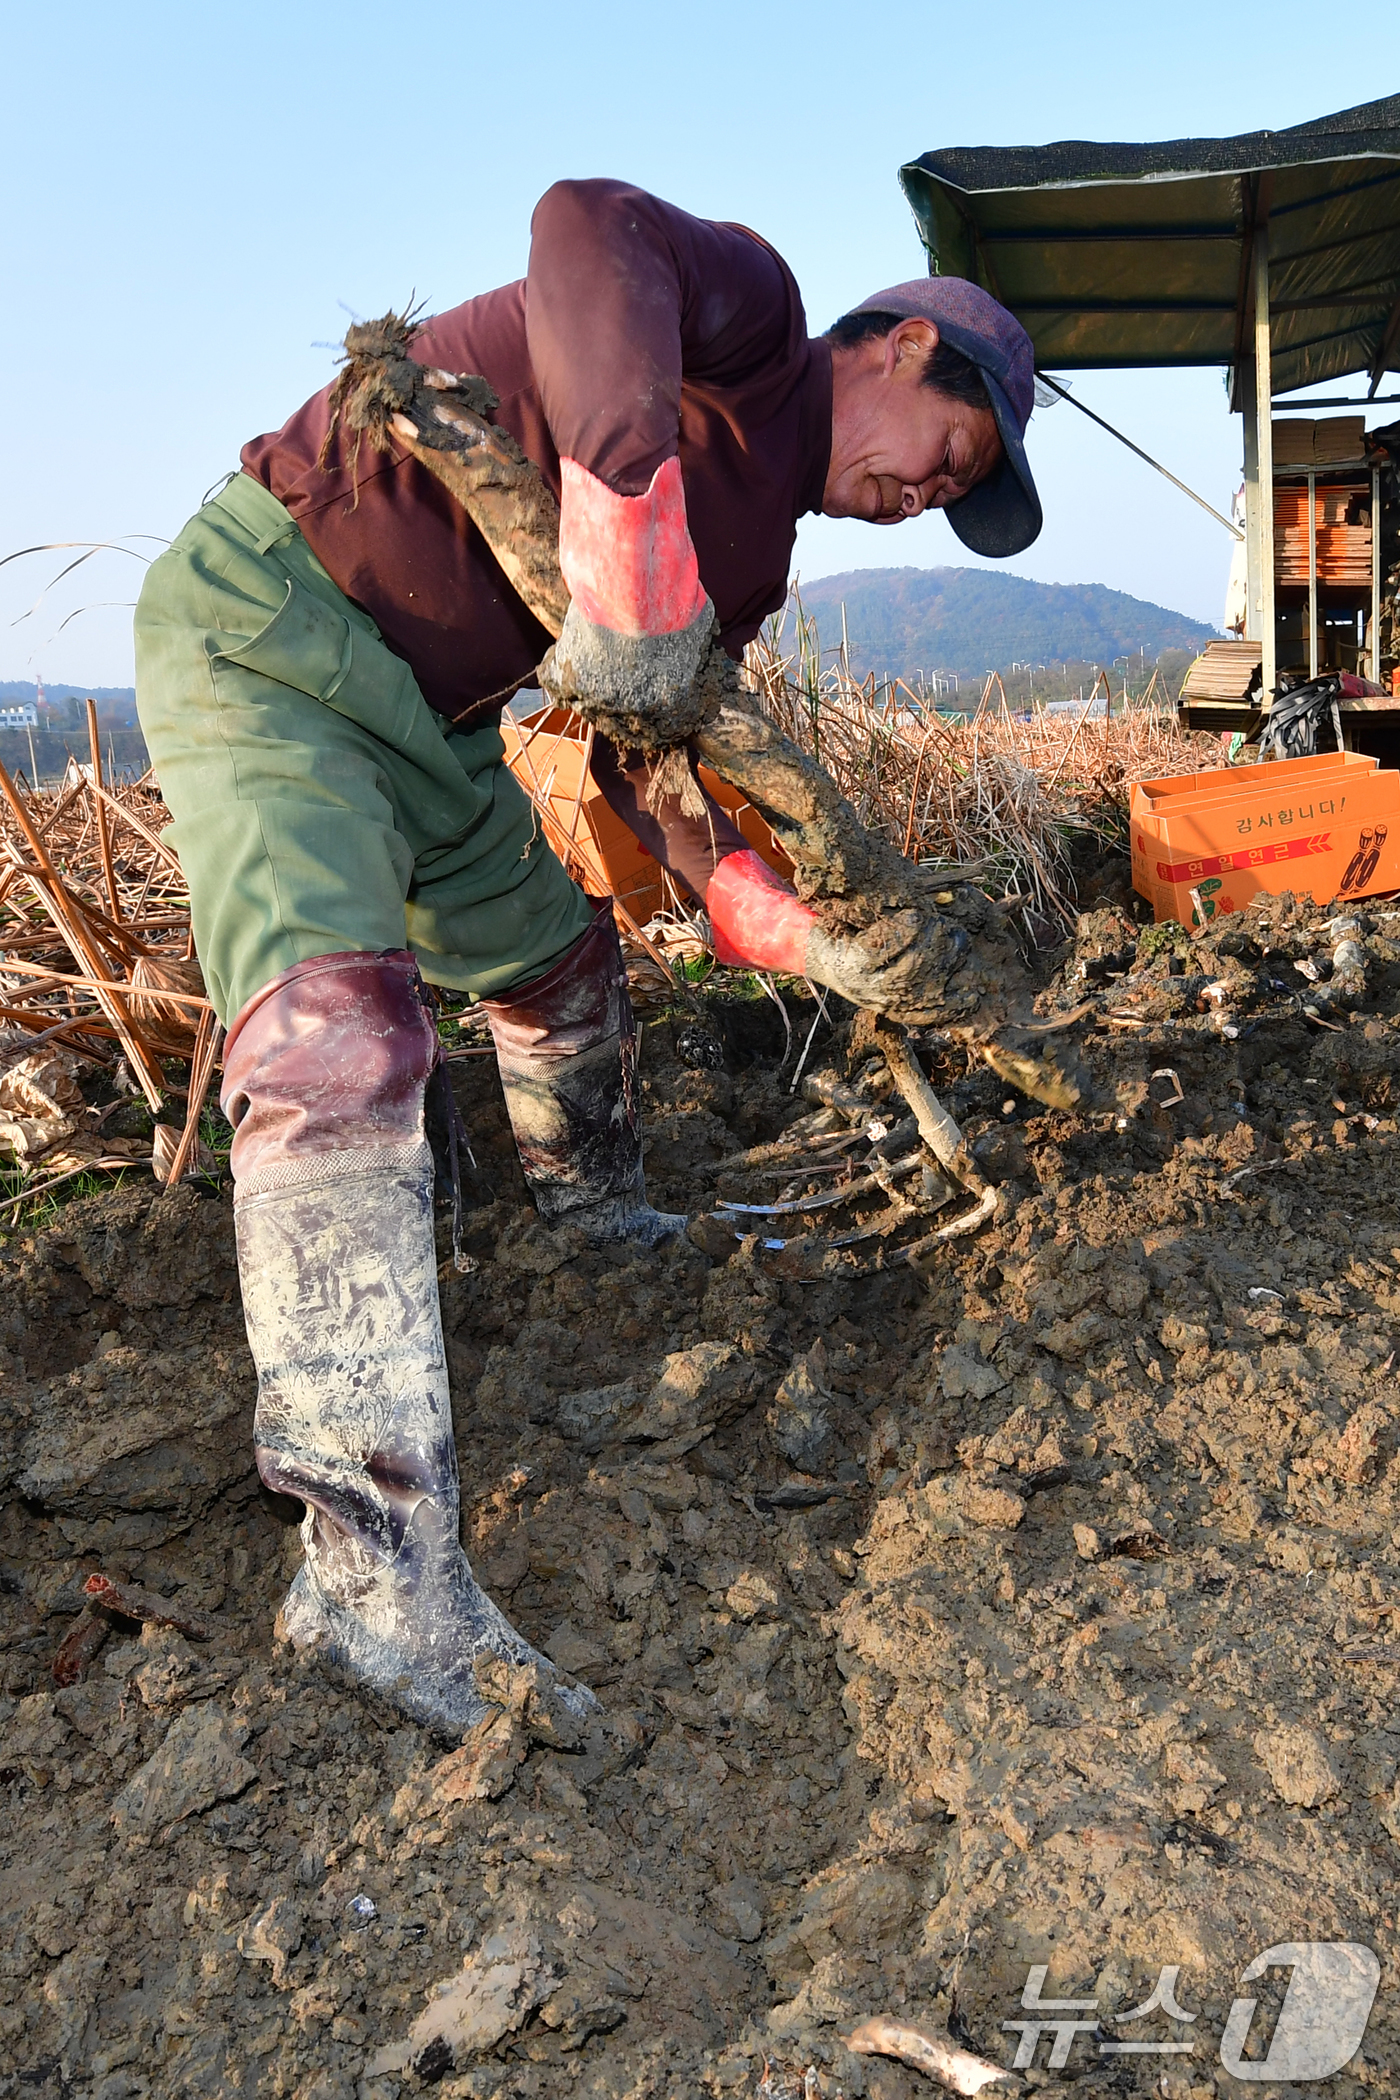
(325, 1074)
(567, 1050)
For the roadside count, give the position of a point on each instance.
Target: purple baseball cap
(1002, 514)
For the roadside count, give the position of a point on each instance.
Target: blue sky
(195, 194)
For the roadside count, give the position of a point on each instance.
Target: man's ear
(913, 342)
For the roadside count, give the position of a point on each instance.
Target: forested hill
(970, 621)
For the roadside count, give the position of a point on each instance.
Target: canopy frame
(1273, 254)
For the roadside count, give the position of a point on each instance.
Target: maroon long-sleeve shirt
(638, 332)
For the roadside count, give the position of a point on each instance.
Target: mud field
(1038, 1607)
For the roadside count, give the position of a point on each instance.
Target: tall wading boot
(566, 1046)
(325, 1077)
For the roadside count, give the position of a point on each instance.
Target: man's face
(898, 447)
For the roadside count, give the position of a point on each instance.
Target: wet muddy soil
(1036, 1609)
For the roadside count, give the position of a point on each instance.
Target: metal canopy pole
(1250, 417)
(1264, 444)
(1064, 394)
(1374, 635)
(1312, 573)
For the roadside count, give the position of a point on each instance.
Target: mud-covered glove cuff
(898, 966)
(639, 689)
(639, 623)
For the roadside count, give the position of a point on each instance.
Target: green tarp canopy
(1122, 255)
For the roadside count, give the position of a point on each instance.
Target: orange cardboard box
(547, 752)
(1329, 826)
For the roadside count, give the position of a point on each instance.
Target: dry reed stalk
(1006, 794)
(143, 831)
(202, 1063)
(86, 879)
(104, 842)
(64, 908)
(141, 994)
(171, 1007)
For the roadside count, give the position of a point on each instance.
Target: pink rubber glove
(629, 561)
(756, 919)
(900, 966)
(639, 622)
(892, 967)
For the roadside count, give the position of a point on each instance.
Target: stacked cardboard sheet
(1343, 514)
(1333, 441)
(1223, 671)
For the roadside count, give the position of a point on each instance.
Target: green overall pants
(319, 804)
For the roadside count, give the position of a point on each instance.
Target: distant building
(22, 715)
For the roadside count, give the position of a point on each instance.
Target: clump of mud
(1035, 1609)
